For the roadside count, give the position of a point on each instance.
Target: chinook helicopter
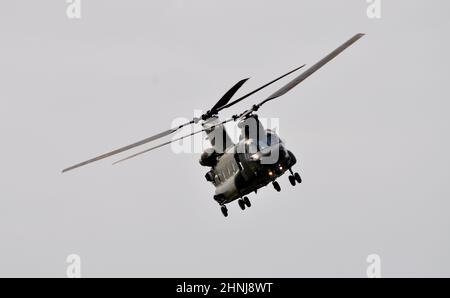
(256, 160)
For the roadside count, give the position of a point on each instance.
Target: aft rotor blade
(227, 96)
(224, 100)
(312, 69)
(131, 146)
(169, 142)
(260, 88)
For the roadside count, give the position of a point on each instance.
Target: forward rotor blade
(227, 96)
(131, 146)
(312, 69)
(224, 100)
(169, 142)
(260, 88)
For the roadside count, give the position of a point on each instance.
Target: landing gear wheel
(292, 180)
(224, 210)
(277, 186)
(298, 178)
(247, 202)
(241, 204)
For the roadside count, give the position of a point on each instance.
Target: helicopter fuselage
(259, 158)
(237, 175)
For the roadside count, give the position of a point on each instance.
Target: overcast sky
(370, 131)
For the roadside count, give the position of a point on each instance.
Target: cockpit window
(250, 146)
(272, 139)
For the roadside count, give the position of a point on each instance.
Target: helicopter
(259, 158)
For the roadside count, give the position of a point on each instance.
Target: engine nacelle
(210, 176)
(208, 158)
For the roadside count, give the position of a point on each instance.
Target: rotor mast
(217, 134)
(215, 129)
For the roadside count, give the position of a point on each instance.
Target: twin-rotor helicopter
(256, 160)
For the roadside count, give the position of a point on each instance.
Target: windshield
(250, 145)
(272, 139)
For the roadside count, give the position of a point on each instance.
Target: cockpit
(272, 138)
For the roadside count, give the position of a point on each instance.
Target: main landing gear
(244, 202)
(277, 186)
(294, 178)
(224, 210)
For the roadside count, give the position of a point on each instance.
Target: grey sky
(370, 131)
